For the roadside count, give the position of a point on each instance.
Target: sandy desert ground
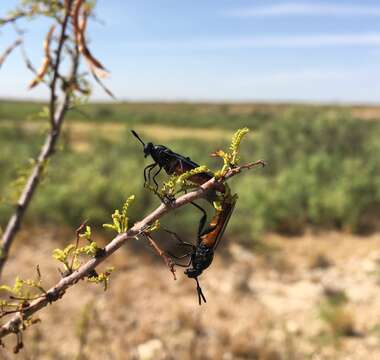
(309, 297)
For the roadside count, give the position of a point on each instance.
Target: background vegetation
(323, 163)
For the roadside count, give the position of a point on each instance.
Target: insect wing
(186, 161)
(226, 220)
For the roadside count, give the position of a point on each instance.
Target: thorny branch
(8, 51)
(75, 13)
(53, 97)
(168, 261)
(57, 115)
(12, 18)
(14, 325)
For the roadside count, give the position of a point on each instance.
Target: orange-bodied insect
(202, 254)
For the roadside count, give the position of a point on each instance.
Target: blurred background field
(323, 162)
(297, 275)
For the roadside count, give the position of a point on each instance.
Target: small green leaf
(235, 144)
(102, 278)
(120, 220)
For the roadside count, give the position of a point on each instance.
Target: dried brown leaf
(45, 62)
(8, 51)
(80, 24)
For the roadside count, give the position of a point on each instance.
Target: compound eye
(148, 148)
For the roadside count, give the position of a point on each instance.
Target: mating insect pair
(200, 255)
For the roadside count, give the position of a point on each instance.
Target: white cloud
(304, 9)
(280, 41)
(301, 41)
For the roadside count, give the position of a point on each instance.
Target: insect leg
(149, 172)
(168, 261)
(181, 265)
(176, 237)
(154, 177)
(179, 257)
(149, 167)
(202, 221)
(181, 243)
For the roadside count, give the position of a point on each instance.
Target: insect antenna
(200, 293)
(138, 137)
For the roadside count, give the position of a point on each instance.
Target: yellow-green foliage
(87, 233)
(89, 250)
(168, 187)
(102, 278)
(120, 219)
(231, 159)
(64, 255)
(178, 183)
(226, 196)
(70, 256)
(32, 8)
(181, 180)
(24, 289)
(235, 144)
(16, 289)
(154, 227)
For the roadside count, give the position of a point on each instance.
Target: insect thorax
(200, 260)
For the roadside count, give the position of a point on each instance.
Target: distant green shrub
(323, 171)
(104, 112)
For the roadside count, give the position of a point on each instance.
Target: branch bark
(57, 291)
(57, 115)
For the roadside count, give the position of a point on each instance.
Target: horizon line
(310, 102)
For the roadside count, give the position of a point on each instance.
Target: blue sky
(236, 50)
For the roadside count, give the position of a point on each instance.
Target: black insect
(201, 255)
(171, 162)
